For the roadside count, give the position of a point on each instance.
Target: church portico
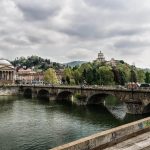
(6, 72)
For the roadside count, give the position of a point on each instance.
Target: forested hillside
(90, 73)
(36, 62)
(105, 74)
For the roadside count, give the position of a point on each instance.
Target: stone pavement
(140, 142)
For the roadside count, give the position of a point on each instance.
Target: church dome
(4, 62)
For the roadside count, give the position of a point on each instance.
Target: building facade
(7, 72)
(28, 76)
(101, 57)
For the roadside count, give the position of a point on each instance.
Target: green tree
(116, 73)
(68, 79)
(68, 72)
(140, 76)
(77, 76)
(84, 74)
(133, 76)
(63, 80)
(125, 70)
(147, 77)
(106, 75)
(86, 66)
(89, 77)
(50, 76)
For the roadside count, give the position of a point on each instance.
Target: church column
(7, 75)
(10, 75)
(2, 75)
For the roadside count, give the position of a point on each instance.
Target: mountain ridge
(75, 63)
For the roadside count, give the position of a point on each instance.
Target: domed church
(7, 72)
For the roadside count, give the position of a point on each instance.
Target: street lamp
(100, 79)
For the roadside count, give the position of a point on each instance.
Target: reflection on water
(115, 107)
(32, 124)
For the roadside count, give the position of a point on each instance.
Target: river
(31, 124)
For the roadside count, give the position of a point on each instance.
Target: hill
(36, 63)
(75, 63)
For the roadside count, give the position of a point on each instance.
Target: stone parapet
(108, 138)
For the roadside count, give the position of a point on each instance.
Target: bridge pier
(137, 101)
(34, 94)
(52, 96)
(136, 108)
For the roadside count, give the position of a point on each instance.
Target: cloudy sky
(66, 30)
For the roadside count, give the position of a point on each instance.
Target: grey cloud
(131, 44)
(39, 40)
(15, 41)
(93, 32)
(79, 54)
(119, 31)
(54, 28)
(3, 32)
(82, 31)
(107, 4)
(37, 11)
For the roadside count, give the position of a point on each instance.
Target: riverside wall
(108, 138)
(9, 90)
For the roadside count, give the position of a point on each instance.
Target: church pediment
(6, 68)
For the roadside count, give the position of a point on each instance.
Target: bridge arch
(98, 98)
(43, 94)
(147, 109)
(65, 96)
(27, 93)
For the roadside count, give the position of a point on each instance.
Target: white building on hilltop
(112, 62)
(101, 57)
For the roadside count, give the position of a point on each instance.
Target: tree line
(97, 73)
(91, 73)
(36, 63)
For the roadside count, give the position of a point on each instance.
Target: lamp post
(132, 78)
(100, 77)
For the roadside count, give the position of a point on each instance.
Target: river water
(27, 124)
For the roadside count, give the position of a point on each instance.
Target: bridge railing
(77, 86)
(104, 87)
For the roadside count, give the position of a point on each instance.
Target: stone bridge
(136, 100)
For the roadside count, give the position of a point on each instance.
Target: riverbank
(9, 90)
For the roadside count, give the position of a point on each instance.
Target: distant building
(28, 76)
(101, 57)
(112, 62)
(60, 74)
(7, 72)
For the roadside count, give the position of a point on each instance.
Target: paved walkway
(141, 142)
